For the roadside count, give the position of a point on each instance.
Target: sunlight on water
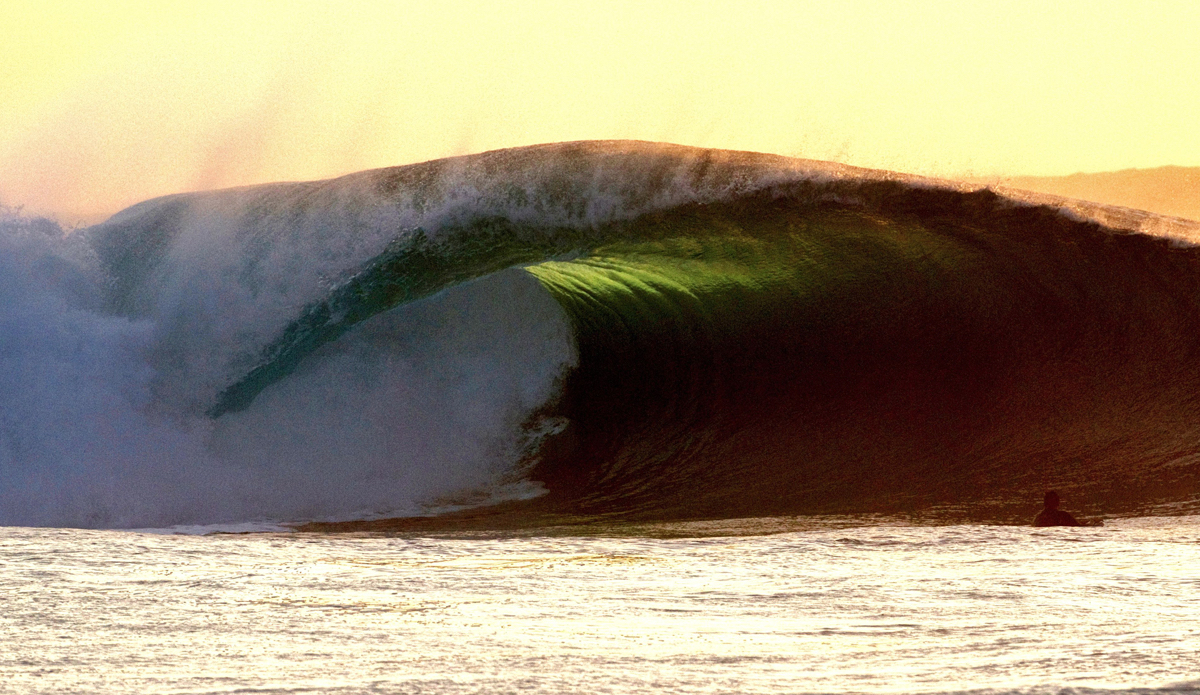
(869, 609)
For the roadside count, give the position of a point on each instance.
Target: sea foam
(98, 426)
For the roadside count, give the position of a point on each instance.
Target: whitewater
(100, 427)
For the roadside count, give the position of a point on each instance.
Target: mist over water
(76, 436)
(411, 406)
(99, 426)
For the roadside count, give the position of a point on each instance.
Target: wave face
(644, 330)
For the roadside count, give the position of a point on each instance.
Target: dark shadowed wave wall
(920, 348)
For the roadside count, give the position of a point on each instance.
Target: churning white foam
(428, 399)
(411, 408)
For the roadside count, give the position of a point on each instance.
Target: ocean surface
(859, 609)
(600, 416)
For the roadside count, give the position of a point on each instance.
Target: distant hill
(1169, 190)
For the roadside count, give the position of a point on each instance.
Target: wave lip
(347, 248)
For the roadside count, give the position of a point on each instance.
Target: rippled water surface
(867, 609)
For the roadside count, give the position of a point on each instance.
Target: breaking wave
(635, 329)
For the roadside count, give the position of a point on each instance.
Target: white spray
(411, 408)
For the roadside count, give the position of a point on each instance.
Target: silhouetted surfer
(1052, 515)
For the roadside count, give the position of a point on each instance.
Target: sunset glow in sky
(105, 104)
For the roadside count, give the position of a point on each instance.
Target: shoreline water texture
(864, 607)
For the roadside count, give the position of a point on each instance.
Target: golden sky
(103, 104)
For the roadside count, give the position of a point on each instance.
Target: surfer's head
(1051, 500)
